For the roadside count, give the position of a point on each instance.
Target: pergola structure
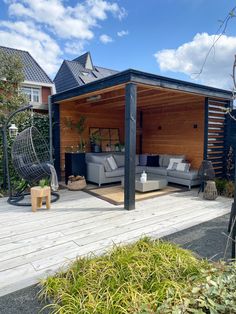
(154, 114)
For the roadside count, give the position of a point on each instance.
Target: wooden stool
(37, 194)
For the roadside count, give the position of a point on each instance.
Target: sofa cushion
(101, 160)
(153, 161)
(182, 166)
(140, 169)
(143, 160)
(119, 172)
(157, 170)
(120, 160)
(191, 175)
(136, 160)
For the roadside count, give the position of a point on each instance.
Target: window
(32, 93)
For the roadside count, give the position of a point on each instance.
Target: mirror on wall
(104, 139)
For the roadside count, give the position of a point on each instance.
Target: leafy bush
(215, 294)
(135, 278)
(220, 185)
(229, 189)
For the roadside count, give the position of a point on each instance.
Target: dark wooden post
(206, 129)
(130, 145)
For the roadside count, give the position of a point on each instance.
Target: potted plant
(80, 126)
(95, 141)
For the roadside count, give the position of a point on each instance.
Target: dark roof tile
(32, 70)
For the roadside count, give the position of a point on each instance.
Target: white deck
(33, 245)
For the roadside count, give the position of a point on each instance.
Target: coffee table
(153, 183)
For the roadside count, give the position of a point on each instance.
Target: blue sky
(166, 37)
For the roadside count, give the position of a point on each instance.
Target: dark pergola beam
(130, 145)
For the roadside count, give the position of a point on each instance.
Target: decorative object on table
(75, 165)
(37, 195)
(210, 190)
(117, 147)
(206, 172)
(143, 177)
(76, 183)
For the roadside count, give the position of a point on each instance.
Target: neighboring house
(37, 85)
(78, 72)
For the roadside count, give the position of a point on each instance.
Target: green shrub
(135, 278)
(215, 294)
(220, 185)
(229, 189)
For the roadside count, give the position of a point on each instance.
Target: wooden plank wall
(94, 118)
(170, 130)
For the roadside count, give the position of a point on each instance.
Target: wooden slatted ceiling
(216, 135)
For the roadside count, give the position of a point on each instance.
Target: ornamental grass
(134, 278)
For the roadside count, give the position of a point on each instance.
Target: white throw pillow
(182, 166)
(112, 163)
(172, 161)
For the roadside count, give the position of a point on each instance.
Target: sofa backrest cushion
(120, 160)
(143, 160)
(101, 160)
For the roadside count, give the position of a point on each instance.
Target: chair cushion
(119, 172)
(191, 175)
(157, 170)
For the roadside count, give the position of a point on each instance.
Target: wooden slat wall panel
(177, 134)
(216, 149)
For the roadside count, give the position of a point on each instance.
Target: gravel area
(208, 240)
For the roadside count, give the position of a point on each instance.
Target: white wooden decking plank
(29, 252)
(119, 224)
(85, 230)
(35, 233)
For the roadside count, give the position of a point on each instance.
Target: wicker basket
(210, 191)
(76, 183)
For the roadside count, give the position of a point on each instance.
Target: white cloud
(122, 33)
(66, 22)
(39, 26)
(105, 39)
(189, 58)
(26, 36)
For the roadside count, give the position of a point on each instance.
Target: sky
(164, 37)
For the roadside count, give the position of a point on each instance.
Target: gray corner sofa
(97, 173)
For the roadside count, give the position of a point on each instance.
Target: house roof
(78, 72)
(139, 77)
(32, 70)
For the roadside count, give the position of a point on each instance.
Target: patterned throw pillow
(183, 167)
(172, 160)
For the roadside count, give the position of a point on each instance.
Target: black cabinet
(74, 165)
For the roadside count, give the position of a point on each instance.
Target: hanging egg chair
(31, 159)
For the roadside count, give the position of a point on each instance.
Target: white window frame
(32, 87)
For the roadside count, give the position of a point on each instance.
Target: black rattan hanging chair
(31, 160)
(206, 172)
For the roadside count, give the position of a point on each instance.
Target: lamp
(13, 130)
